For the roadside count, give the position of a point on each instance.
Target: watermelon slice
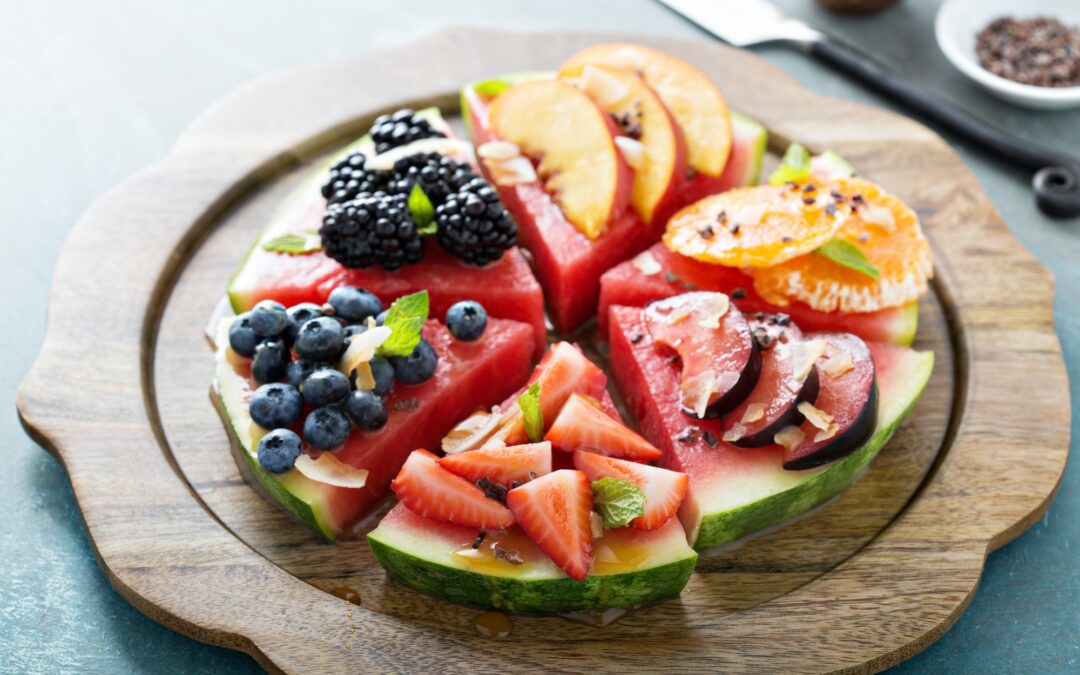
(507, 288)
(659, 273)
(734, 491)
(470, 375)
(749, 143)
(508, 572)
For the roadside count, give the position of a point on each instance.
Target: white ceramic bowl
(959, 21)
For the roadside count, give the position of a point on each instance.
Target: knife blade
(746, 23)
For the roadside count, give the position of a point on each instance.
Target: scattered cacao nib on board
(1041, 51)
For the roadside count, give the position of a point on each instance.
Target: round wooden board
(861, 584)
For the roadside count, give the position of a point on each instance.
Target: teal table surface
(91, 92)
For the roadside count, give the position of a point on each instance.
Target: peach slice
(574, 142)
(642, 116)
(694, 101)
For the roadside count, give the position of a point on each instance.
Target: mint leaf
(294, 244)
(489, 88)
(848, 255)
(422, 211)
(405, 319)
(529, 402)
(795, 166)
(617, 501)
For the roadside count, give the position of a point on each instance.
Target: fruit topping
(720, 359)
(242, 337)
(372, 230)
(774, 402)
(270, 361)
(350, 178)
(366, 409)
(278, 450)
(756, 226)
(268, 319)
(382, 374)
(435, 492)
(583, 425)
(473, 226)
(330, 470)
(553, 511)
(400, 128)
(299, 370)
(350, 304)
(573, 141)
(664, 490)
(883, 260)
(325, 387)
(326, 428)
(437, 175)
(418, 366)
(466, 320)
(275, 405)
(321, 339)
(472, 432)
(844, 414)
(508, 467)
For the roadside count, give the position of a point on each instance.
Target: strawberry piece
(505, 466)
(434, 492)
(664, 489)
(583, 425)
(553, 511)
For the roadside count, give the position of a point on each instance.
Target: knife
(745, 23)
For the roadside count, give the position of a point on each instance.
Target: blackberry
(349, 178)
(437, 175)
(373, 230)
(399, 128)
(474, 226)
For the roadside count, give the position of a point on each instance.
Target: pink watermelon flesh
(627, 284)
(772, 404)
(470, 376)
(749, 142)
(734, 491)
(850, 398)
(507, 288)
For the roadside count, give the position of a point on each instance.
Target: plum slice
(720, 359)
(773, 404)
(844, 414)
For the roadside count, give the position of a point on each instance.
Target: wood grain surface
(863, 583)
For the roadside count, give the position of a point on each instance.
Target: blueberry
(298, 316)
(466, 320)
(366, 410)
(326, 428)
(299, 370)
(268, 319)
(321, 339)
(278, 450)
(383, 373)
(275, 405)
(417, 367)
(242, 337)
(381, 318)
(354, 304)
(324, 387)
(271, 359)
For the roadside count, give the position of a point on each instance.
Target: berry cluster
(294, 355)
(400, 128)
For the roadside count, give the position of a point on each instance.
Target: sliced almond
(754, 412)
(602, 87)
(647, 263)
(472, 432)
(733, 434)
(816, 416)
(330, 470)
(716, 306)
(632, 151)
(789, 437)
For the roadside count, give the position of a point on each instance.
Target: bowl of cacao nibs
(1025, 53)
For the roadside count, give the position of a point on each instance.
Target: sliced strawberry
(583, 425)
(664, 489)
(553, 510)
(505, 466)
(431, 491)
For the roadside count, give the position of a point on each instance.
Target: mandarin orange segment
(755, 226)
(886, 230)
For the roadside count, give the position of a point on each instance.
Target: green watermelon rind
(760, 143)
(533, 596)
(722, 528)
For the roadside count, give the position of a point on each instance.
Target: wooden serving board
(860, 584)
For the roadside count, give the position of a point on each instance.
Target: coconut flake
(514, 171)
(838, 363)
(826, 434)
(803, 357)
(628, 58)
(362, 348)
(750, 214)
(602, 87)
(754, 412)
(330, 470)
(879, 216)
(472, 432)
(816, 416)
(716, 305)
(597, 525)
(789, 437)
(498, 150)
(632, 151)
(365, 378)
(698, 390)
(733, 434)
(648, 265)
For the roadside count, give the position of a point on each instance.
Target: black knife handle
(1057, 179)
